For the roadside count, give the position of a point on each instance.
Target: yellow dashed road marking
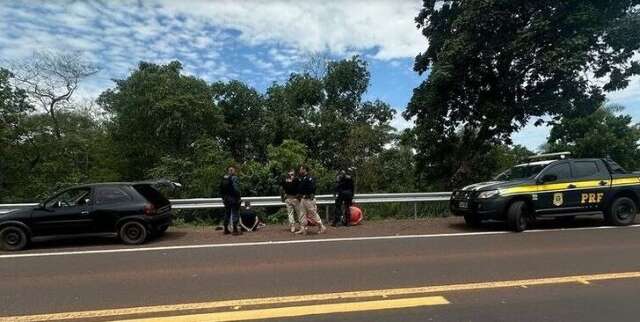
(304, 310)
(228, 304)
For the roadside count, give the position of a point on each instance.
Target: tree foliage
(51, 79)
(495, 64)
(163, 123)
(604, 133)
(157, 112)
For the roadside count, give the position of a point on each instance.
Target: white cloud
(209, 36)
(335, 26)
(400, 123)
(629, 95)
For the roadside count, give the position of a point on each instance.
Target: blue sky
(258, 42)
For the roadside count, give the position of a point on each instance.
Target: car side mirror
(548, 178)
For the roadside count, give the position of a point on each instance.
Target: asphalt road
(481, 278)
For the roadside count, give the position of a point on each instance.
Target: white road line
(304, 241)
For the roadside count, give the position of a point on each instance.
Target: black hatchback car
(132, 211)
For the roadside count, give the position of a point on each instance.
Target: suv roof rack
(556, 155)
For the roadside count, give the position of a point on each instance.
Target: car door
(593, 183)
(65, 213)
(555, 190)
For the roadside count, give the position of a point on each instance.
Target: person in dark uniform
(343, 192)
(289, 191)
(308, 208)
(230, 190)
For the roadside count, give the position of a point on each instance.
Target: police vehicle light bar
(558, 155)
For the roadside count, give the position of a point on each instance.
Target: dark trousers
(231, 212)
(343, 214)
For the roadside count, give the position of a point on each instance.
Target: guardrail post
(415, 210)
(326, 213)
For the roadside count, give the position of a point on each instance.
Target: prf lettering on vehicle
(591, 197)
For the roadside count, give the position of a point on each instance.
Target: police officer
(344, 197)
(289, 191)
(230, 190)
(308, 208)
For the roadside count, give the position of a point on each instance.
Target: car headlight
(488, 194)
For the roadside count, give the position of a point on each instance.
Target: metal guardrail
(275, 201)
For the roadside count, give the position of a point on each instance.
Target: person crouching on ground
(290, 197)
(230, 190)
(308, 208)
(249, 221)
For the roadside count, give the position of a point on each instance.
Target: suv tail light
(149, 209)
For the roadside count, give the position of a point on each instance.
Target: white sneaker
(302, 231)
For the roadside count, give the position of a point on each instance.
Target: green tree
(13, 110)
(51, 79)
(39, 154)
(494, 64)
(159, 112)
(245, 130)
(604, 133)
(291, 107)
(288, 155)
(199, 172)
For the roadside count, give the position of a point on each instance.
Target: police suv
(561, 188)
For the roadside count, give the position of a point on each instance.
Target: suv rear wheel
(133, 233)
(518, 216)
(13, 238)
(622, 212)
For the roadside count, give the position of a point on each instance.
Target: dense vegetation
(495, 65)
(492, 66)
(159, 122)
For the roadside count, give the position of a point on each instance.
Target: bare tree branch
(50, 79)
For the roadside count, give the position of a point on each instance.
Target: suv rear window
(152, 195)
(584, 169)
(614, 167)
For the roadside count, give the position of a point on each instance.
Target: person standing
(343, 192)
(290, 197)
(230, 190)
(308, 208)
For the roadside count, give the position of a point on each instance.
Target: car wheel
(622, 212)
(133, 233)
(517, 216)
(472, 221)
(13, 238)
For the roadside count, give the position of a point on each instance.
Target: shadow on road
(551, 223)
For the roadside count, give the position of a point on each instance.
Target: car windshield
(521, 171)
